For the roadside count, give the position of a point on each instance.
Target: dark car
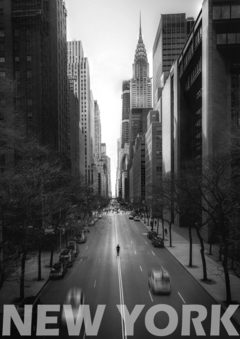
(58, 270)
(151, 234)
(83, 239)
(130, 217)
(34, 301)
(157, 242)
(67, 257)
(74, 247)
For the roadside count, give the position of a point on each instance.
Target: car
(137, 218)
(74, 247)
(130, 217)
(157, 242)
(58, 270)
(75, 297)
(159, 281)
(34, 301)
(83, 238)
(151, 234)
(67, 257)
(99, 217)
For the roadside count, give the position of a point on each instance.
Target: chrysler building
(140, 84)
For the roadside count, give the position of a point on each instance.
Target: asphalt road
(109, 280)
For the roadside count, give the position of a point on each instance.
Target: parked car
(67, 257)
(130, 217)
(74, 247)
(151, 234)
(157, 242)
(34, 301)
(83, 238)
(58, 270)
(159, 281)
(137, 218)
(99, 217)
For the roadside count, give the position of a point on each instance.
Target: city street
(110, 280)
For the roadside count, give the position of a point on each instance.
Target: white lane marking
(123, 320)
(131, 241)
(86, 247)
(140, 267)
(150, 295)
(135, 252)
(94, 283)
(152, 253)
(80, 262)
(145, 242)
(181, 298)
(99, 260)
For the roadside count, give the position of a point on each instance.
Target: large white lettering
(10, 312)
(225, 319)
(173, 320)
(74, 325)
(129, 319)
(43, 320)
(197, 322)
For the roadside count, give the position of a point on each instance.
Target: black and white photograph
(119, 169)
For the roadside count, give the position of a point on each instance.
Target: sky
(109, 31)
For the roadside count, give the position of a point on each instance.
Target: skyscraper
(125, 112)
(33, 53)
(171, 36)
(140, 84)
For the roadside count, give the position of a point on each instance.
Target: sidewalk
(180, 250)
(11, 290)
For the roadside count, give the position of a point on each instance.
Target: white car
(75, 298)
(159, 281)
(137, 218)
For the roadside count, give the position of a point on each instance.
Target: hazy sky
(109, 31)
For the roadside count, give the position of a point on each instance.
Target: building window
(2, 74)
(29, 58)
(232, 38)
(17, 74)
(29, 87)
(235, 11)
(29, 102)
(221, 39)
(29, 74)
(2, 59)
(17, 58)
(225, 12)
(1, 32)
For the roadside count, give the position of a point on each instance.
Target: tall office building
(75, 56)
(125, 112)
(171, 36)
(97, 131)
(33, 54)
(140, 84)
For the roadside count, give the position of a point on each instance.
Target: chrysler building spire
(140, 29)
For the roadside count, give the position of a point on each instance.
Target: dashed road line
(80, 262)
(94, 283)
(153, 253)
(140, 267)
(135, 252)
(86, 247)
(150, 295)
(182, 298)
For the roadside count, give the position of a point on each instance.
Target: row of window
(230, 38)
(226, 12)
(193, 75)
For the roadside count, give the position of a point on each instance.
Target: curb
(43, 286)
